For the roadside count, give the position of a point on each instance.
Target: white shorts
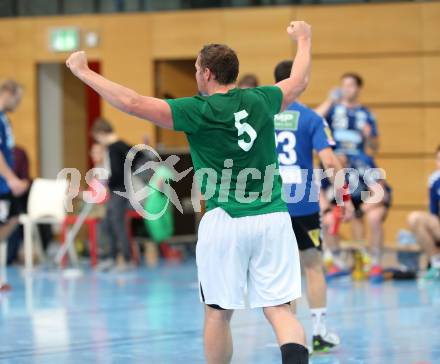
(258, 253)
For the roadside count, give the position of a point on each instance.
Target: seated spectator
(21, 169)
(97, 156)
(370, 211)
(365, 178)
(426, 225)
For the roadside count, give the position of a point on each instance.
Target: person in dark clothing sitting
(15, 240)
(21, 170)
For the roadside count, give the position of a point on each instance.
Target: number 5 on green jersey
(244, 128)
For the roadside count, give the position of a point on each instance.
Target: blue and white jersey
(365, 176)
(299, 131)
(434, 193)
(7, 143)
(347, 125)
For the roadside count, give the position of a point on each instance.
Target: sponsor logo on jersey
(287, 120)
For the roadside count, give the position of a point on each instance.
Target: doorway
(67, 109)
(174, 78)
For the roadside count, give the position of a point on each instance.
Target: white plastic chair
(45, 206)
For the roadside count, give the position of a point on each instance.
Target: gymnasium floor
(153, 316)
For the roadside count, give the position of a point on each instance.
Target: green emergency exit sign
(64, 39)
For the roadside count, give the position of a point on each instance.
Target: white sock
(376, 256)
(338, 259)
(327, 255)
(318, 321)
(435, 261)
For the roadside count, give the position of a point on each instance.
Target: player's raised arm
(293, 86)
(123, 98)
(333, 97)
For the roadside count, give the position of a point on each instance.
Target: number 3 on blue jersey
(244, 128)
(288, 155)
(285, 141)
(286, 124)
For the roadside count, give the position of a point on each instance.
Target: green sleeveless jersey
(232, 143)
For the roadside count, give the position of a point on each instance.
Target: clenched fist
(299, 30)
(77, 62)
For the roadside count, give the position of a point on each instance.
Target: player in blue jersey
(426, 225)
(353, 125)
(299, 132)
(373, 207)
(355, 131)
(10, 184)
(371, 197)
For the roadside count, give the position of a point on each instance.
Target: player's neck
(2, 105)
(216, 88)
(350, 103)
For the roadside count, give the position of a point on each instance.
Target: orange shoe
(333, 271)
(5, 287)
(170, 253)
(376, 274)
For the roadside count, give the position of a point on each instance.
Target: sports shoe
(326, 342)
(376, 274)
(170, 253)
(105, 265)
(4, 287)
(327, 258)
(123, 267)
(432, 274)
(334, 271)
(366, 261)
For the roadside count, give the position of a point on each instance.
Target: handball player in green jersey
(245, 239)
